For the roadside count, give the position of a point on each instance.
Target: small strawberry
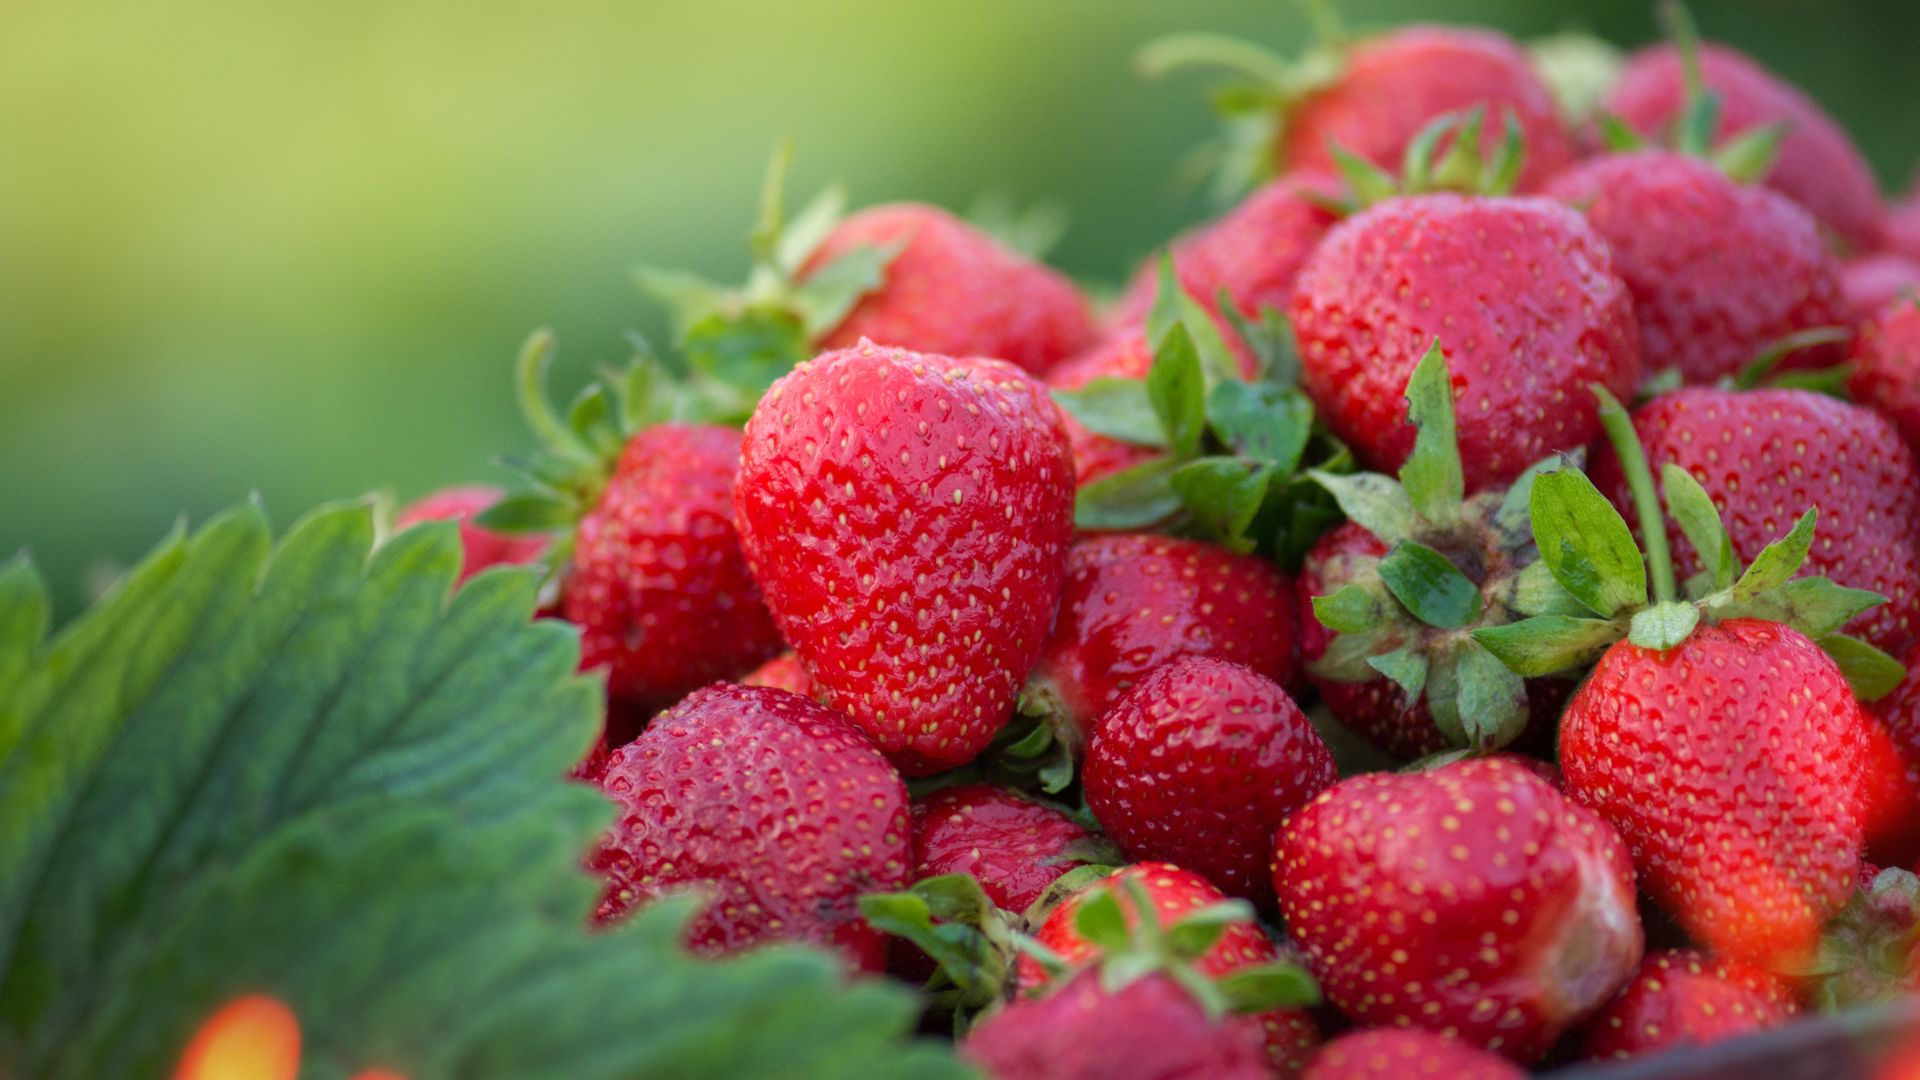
(1818, 166)
(1472, 900)
(1385, 596)
(1886, 375)
(1403, 1054)
(1870, 283)
(1522, 291)
(480, 548)
(1170, 896)
(1372, 96)
(1718, 270)
(908, 517)
(779, 807)
(1683, 997)
(1198, 765)
(648, 564)
(1134, 602)
(783, 672)
(1012, 845)
(1765, 457)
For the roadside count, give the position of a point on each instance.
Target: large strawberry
(1400, 1053)
(1685, 997)
(1136, 601)
(1521, 291)
(1385, 597)
(480, 547)
(1472, 900)
(908, 517)
(1371, 97)
(647, 560)
(1198, 765)
(1886, 374)
(1718, 270)
(780, 807)
(1765, 457)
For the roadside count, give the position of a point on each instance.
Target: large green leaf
(305, 771)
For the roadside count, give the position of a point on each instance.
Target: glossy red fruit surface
(908, 517)
(1683, 997)
(1198, 765)
(1732, 766)
(1014, 847)
(955, 291)
(1473, 900)
(781, 807)
(1718, 271)
(783, 672)
(1893, 773)
(479, 548)
(1406, 1054)
(1135, 601)
(1522, 296)
(1766, 456)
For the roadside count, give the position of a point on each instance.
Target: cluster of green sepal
(1868, 953)
(1599, 588)
(1411, 617)
(1233, 447)
(1424, 167)
(310, 769)
(732, 342)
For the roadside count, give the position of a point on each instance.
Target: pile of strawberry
(1447, 615)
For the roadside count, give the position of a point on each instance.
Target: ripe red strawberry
(908, 517)
(1765, 456)
(1152, 1028)
(783, 672)
(1718, 270)
(954, 291)
(1252, 253)
(480, 548)
(1134, 602)
(658, 584)
(1893, 772)
(1871, 282)
(780, 806)
(1013, 846)
(1818, 166)
(1886, 375)
(1175, 894)
(1472, 899)
(1522, 295)
(1683, 997)
(1748, 834)
(1404, 1053)
(1198, 765)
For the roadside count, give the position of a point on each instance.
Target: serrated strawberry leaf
(1663, 625)
(747, 350)
(1130, 499)
(1427, 584)
(529, 512)
(1872, 673)
(1699, 520)
(1814, 606)
(1476, 700)
(1779, 561)
(303, 770)
(1223, 494)
(1262, 420)
(1177, 390)
(1172, 308)
(1432, 473)
(1586, 543)
(1406, 666)
(1351, 610)
(1115, 407)
(1377, 502)
(827, 294)
(1546, 644)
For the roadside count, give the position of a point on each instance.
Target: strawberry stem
(552, 432)
(1646, 499)
(1258, 65)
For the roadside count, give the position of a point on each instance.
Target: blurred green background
(291, 248)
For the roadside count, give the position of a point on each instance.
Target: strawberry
(782, 809)
(1400, 1053)
(648, 563)
(1522, 292)
(480, 548)
(1685, 997)
(1012, 845)
(1893, 771)
(1134, 602)
(1472, 900)
(1198, 765)
(1886, 359)
(1718, 270)
(1818, 166)
(1765, 456)
(908, 517)
(783, 672)
(1870, 283)
(1371, 96)
(1170, 895)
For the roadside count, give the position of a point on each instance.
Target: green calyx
(734, 341)
(1425, 167)
(1869, 953)
(1598, 592)
(973, 943)
(1230, 470)
(1454, 565)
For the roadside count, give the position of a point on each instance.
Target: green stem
(766, 229)
(548, 428)
(1685, 35)
(1646, 501)
(1185, 50)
